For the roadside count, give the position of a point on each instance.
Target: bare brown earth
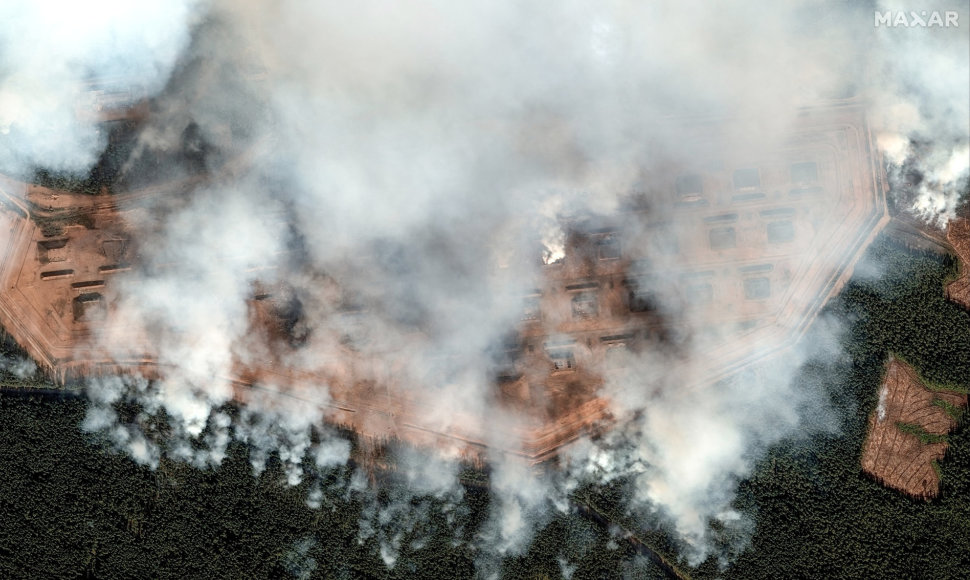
(958, 234)
(895, 457)
(755, 258)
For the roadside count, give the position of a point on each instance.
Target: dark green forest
(120, 167)
(119, 141)
(72, 508)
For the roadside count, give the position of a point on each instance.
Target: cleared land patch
(907, 432)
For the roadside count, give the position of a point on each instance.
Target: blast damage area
(753, 247)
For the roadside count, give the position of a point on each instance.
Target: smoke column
(409, 156)
(920, 94)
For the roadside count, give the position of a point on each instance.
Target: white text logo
(926, 19)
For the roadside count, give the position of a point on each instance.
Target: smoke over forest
(415, 160)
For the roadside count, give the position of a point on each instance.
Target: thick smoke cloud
(686, 449)
(52, 53)
(920, 93)
(407, 159)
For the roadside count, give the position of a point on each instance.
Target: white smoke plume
(920, 93)
(60, 58)
(413, 159)
(686, 449)
(20, 367)
(298, 562)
